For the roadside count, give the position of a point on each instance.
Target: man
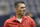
(19, 20)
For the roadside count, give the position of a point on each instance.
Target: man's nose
(24, 10)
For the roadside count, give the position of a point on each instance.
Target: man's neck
(19, 16)
(29, 16)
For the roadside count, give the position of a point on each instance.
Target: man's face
(21, 9)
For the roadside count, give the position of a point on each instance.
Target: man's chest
(25, 23)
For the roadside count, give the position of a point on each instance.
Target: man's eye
(22, 7)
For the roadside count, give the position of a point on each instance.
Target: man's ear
(15, 9)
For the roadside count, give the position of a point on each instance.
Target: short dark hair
(18, 2)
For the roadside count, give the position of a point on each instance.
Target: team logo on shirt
(25, 23)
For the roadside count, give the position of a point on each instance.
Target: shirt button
(23, 24)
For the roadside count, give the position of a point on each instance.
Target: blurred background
(7, 10)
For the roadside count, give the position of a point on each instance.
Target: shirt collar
(14, 18)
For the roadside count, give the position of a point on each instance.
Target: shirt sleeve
(33, 23)
(5, 24)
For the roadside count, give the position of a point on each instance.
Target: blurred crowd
(7, 11)
(36, 18)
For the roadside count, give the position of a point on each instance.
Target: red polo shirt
(26, 22)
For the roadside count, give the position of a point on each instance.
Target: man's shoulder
(10, 19)
(29, 18)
